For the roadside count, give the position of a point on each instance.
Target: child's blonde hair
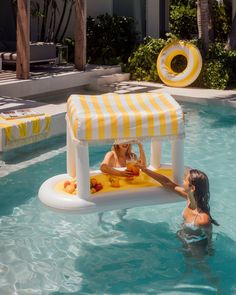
(129, 152)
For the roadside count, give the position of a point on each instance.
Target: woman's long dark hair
(201, 193)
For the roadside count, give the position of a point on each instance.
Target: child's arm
(107, 166)
(142, 157)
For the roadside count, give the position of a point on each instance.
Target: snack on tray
(95, 186)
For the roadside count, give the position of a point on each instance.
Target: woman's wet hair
(201, 193)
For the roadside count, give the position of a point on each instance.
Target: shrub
(215, 75)
(221, 20)
(183, 19)
(142, 63)
(217, 51)
(110, 39)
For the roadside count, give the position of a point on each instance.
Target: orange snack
(114, 181)
(93, 182)
(67, 182)
(70, 188)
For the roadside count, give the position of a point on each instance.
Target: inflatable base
(141, 191)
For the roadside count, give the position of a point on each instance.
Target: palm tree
(203, 22)
(231, 42)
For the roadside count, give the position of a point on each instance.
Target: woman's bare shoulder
(203, 219)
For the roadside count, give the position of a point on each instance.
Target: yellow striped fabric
(21, 128)
(111, 116)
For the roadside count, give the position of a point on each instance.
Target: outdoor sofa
(39, 52)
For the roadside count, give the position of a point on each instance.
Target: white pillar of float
(155, 160)
(70, 154)
(177, 149)
(82, 169)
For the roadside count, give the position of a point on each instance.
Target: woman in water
(118, 157)
(197, 225)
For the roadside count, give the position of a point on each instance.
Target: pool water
(46, 252)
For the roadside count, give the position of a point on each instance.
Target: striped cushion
(8, 56)
(23, 128)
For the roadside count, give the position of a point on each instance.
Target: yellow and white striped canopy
(112, 116)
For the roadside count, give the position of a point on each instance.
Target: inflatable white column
(177, 147)
(82, 169)
(70, 154)
(155, 153)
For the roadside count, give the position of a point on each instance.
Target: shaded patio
(36, 70)
(22, 66)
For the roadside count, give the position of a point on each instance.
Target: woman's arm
(108, 164)
(164, 181)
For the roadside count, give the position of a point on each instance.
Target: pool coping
(187, 94)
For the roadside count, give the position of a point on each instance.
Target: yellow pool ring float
(189, 74)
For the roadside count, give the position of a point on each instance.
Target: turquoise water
(46, 252)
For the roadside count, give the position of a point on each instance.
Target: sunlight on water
(47, 252)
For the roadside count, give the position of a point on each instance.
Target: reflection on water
(70, 254)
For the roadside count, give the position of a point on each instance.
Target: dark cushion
(42, 51)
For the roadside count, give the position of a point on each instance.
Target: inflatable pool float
(94, 119)
(189, 74)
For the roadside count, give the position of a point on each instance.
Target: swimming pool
(44, 252)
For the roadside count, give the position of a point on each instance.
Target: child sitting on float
(120, 155)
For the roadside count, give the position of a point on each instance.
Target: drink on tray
(131, 166)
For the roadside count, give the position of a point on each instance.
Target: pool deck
(54, 103)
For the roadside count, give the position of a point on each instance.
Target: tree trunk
(22, 37)
(202, 22)
(210, 20)
(80, 34)
(231, 42)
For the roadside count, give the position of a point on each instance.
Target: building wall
(135, 9)
(97, 7)
(152, 19)
(7, 21)
(145, 12)
(157, 18)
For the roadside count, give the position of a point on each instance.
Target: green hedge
(215, 75)
(110, 39)
(142, 63)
